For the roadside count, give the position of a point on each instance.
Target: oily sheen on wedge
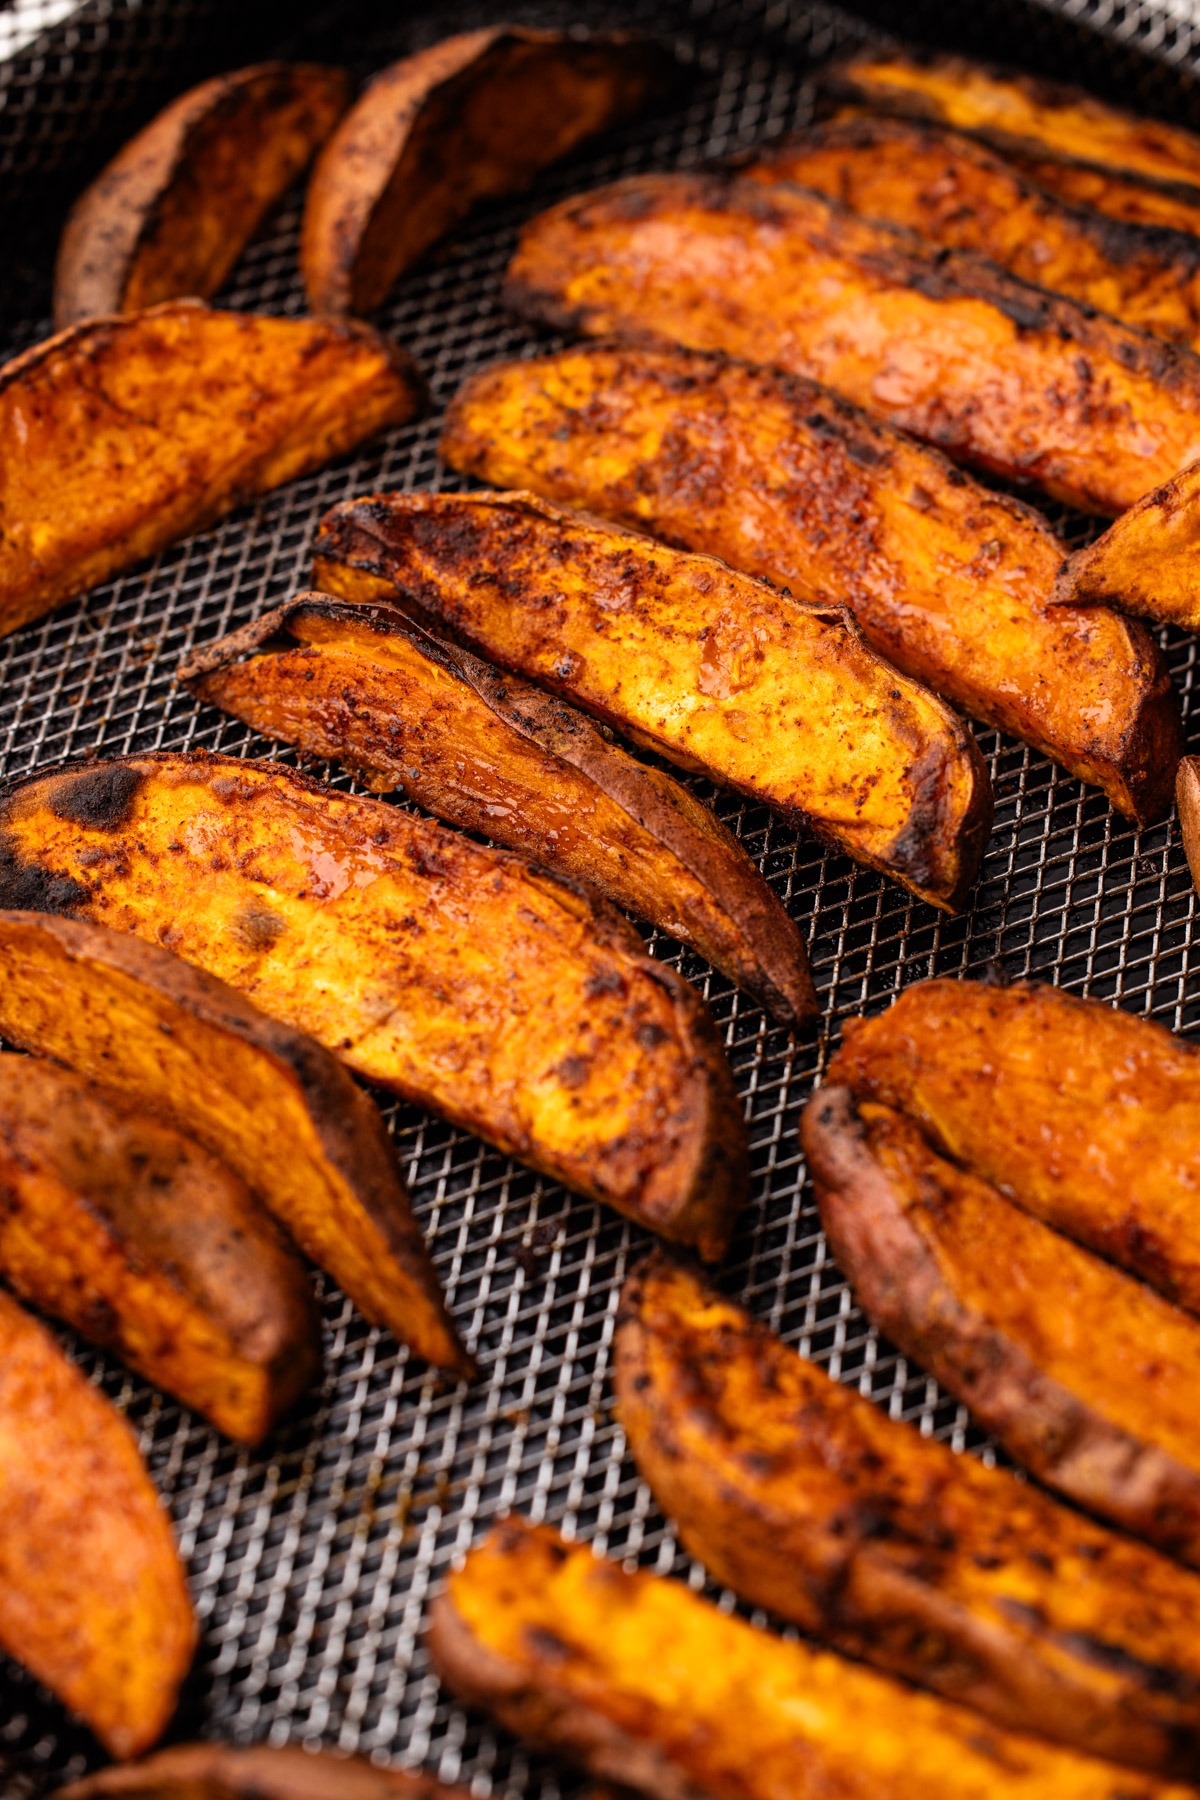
(718, 671)
(1029, 385)
(119, 1224)
(645, 1683)
(803, 1497)
(776, 475)
(178, 204)
(191, 1049)
(1148, 561)
(492, 753)
(261, 1772)
(454, 975)
(135, 431)
(92, 1596)
(1085, 1115)
(1084, 1374)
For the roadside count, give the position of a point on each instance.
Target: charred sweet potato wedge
(92, 1596)
(176, 207)
(189, 1048)
(1029, 385)
(1094, 1393)
(469, 119)
(117, 1223)
(643, 1682)
(950, 582)
(452, 974)
(805, 1498)
(1173, 205)
(1187, 795)
(716, 670)
(1148, 561)
(1085, 1115)
(372, 689)
(263, 1772)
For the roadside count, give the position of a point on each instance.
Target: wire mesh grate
(312, 1562)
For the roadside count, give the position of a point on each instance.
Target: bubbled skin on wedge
(1025, 384)
(138, 430)
(494, 754)
(780, 478)
(452, 974)
(468, 119)
(147, 1245)
(177, 205)
(183, 1044)
(644, 1683)
(804, 1497)
(261, 1772)
(717, 671)
(1095, 1394)
(92, 1596)
(1083, 1114)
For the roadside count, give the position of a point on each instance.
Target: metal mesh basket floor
(312, 1563)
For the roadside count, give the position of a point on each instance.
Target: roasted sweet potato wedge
(131, 1015)
(1148, 561)
(372, 689)
(645, 1683)
(1187, 794)
(1029, 385)
(1174, 205)
(803, 1497)
(1085, 1115)
(117, 1223)
(92, 1595)
(1095, 1392)
(959, 193)
(452, 974)
(470, 118)
(176, 207)
(774, 474)
(718, 671)
(221, 1772)
(135, 431)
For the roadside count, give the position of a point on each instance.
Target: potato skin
(803, 1497)
(1095, 1396)
(470, 118)
(115, 1222)
(1026, 384)
(777, 476)
(494, 754)
(1086, 1116)
(646, 1684)
(178, 204)
(1147, 560)
(261, 1772)
(453, 975)
(92, 1596)
(1187, 794)
(140, 429)
(186, 1046)
(716, 671)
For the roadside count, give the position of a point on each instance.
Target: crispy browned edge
(701, 844)
(1187, 795)
(345, 189)
(119, 211)
(351, 1132)
(899, 1285)
(260, 1772)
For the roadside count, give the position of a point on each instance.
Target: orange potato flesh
(1148, 561)
(262, 1772)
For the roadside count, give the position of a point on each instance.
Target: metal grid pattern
(312, 1563)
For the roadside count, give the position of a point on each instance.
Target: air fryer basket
(312, 1562)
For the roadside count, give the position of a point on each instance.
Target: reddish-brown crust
(261, 1772)
(1187, 794)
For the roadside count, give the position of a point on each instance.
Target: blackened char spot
(256, 926)
(1154, 1677)
(26, 887)
(100, 797)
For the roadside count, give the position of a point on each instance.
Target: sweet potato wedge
(137, 430)
(774, 474)
(452, 974)
(1174, 205)
(1085, 1115)
(117, 1223)
(186, 1046)
(643, 1682)
(92, 1596)
(176, 207)
(372, 689)
(718, 671)
(1148, 561)
(958, 193)
(803, 1497)
(468, 119)
(263, 1772)
(1187, 795)
(1095, 1393)
(1029, 385)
